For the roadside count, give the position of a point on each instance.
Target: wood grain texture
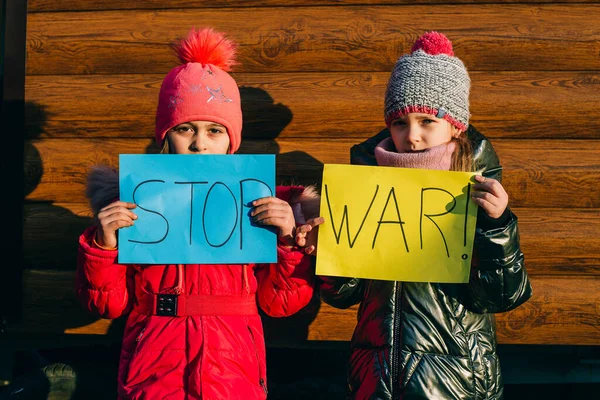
(537, 173)
(554, 241)
(312, 79)
(496, 37)
(81, 5)
(563, 310)
(314, 105)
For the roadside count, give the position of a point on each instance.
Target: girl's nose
(198, 143)
(414, 135)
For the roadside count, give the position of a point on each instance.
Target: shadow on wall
(50, 234)
(47, 244)
(50, 248)
(264, 121)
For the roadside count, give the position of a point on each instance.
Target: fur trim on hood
(310, 200)
(103, 188)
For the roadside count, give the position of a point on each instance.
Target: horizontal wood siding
(312, 79)
(82, 5)
(563, 310)
(537, 173)
(519, 105)
(556, 242)
(487, 37)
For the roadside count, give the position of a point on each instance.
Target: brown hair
(462, 157)
(165, 147)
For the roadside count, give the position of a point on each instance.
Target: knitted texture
(201, 89)
(429, 80)
(437, 158)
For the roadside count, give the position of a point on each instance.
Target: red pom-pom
(434, 43)
(206, 46)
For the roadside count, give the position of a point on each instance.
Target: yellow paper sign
(400, 224)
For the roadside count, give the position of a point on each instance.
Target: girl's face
(198, 137)
(416, 132)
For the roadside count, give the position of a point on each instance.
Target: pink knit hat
(200, 89)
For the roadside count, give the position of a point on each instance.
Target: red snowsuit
(216, 353)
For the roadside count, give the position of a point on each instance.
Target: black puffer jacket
(429, 340)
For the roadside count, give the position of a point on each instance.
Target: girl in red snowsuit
(213, 346)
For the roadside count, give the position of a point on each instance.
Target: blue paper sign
(195, 209)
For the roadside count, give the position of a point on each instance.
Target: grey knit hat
(429, 80)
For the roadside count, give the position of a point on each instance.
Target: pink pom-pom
(206, 46)
(434, 43)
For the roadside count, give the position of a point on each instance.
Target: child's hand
(276, 212)
(114, 216)
(307, 234)
(489, 194)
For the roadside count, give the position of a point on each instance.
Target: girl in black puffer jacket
(435, 341)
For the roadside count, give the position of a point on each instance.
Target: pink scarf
(438, 157)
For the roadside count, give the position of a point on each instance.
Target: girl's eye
(427, 121)
(398, 122)
(183, 129)
(215, 131)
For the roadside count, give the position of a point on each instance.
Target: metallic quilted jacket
(429, 340)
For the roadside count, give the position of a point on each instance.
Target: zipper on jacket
(264, 386)
(139, 336)
(261, 380)
(138, 340)
(396, 351)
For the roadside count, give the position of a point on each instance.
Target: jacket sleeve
(102, 285)
(287, 286)
(499, 281)
(341, 292)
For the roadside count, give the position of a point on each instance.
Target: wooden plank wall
(312, 79)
